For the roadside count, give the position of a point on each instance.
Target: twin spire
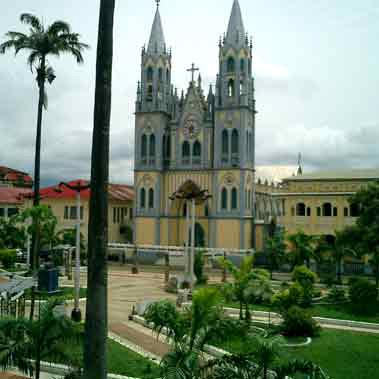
(235, 34)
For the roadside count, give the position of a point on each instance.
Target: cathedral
(196, 142)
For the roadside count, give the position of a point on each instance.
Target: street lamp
(78, 187)
(192, 194)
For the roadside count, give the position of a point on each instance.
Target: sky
(315, 65)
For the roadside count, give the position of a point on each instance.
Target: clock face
(191, 127)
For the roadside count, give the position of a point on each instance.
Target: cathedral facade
(195, 140)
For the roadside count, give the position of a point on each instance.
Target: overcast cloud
(315, 64)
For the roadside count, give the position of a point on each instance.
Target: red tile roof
(119, 192)
(13, 195)
(11, 175)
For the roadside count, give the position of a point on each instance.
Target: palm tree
(41, 43)
(96, 326)
(188, 332)
(275, 249)
(248, 286)
(23, 341)
(303, 248)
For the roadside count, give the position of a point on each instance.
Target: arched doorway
(199, 235)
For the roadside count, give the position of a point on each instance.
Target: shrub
(289, 297)
(199, 268)
(297, 322)
(304, 276)
(363, 294)
(8, 258)
(336, 295)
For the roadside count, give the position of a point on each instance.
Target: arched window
(185, 209)
(149, 92)
(197, 149)
(308, 211)
(354, 210)
(143, 146)
(230, 66)
(300, 209)
(168, 76)
(142, 198)
(249, 67)
(235, 141)
(149, 74)
(160, 74)
(231, 88)
(242, 65)
(225, 142)
(224, 199)
(151, 198)
(234, 199)
(186, 149)
(327, 209)
(335, 212)
(346, 212)
(152, 146)
(318, 211)
(168, 146)
(206, 211)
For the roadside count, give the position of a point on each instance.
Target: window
(151, 198)
(185, 209)
(206, 211)
(230, 66)
(73, 213)
(235, 141)
(185, 152)
(225, 142)
(197, 152)
(327, 210)
(142, 198)
(292, 211)
(114, 215)
(143, 146)
(231, 88)
(160, 74)
(167, 146)
(300, 209)
(65, 213)
(346, 212)
(318, 211)
(81, 213)
(149, 74)
(2, 212)
(242, 65)
(234, 198)
(131, 213)
(12, 212)
(224, 199)
(168, 76)
(335, 212)
(354, 210)
(152, 146)
(308, 211)
(149, 92)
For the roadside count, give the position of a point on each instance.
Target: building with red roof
(14, 178)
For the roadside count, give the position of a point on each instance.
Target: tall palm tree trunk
(96, 326)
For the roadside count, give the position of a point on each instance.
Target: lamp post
(191, 194)
(78, 187)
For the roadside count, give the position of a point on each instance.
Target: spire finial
(299, 169)
(157, 1)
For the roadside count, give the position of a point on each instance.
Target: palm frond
(32, 20)
(59, 27)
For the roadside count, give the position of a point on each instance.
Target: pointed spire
(157, 43)
(199, 81)
(236, 30)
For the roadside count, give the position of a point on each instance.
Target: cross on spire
(193, 70)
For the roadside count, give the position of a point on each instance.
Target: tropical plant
(96, 326)
(199, 263)
(275, 250)
(25, 343)
(188, 332)
(8, 258)
(306, 279)
(42, 42)
(303, 248)
(298, 322)
(248, 286)
(363, 295)
(12, 234)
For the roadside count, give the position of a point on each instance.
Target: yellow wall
(228, 232)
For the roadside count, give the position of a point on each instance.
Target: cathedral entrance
(199, 235)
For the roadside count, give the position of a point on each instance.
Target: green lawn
(340, 312)
(65, 292)
(341, 354)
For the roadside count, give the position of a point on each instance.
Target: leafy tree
(249, 284)
(303, 248)
(96, 326)
(42, 42)
(199, 264)
(275, 249)
(12, 234)
(189, 331)
(24, 341)
(366, 230)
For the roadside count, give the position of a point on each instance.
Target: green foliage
(275, 249)
(303, 276)
(363, 294)
(303, 248)
(127, 231)
(289, 297)
(199, 263)
(298, 322)
(8, 258)
(337, 295)
(12, 233)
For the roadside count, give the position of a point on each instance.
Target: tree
(42, 42)
(366, 230)
(303, 248)
(24, 341)
(12, 235)
(275, 249)
(96, 326)
(249, 285)
(189, 331)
